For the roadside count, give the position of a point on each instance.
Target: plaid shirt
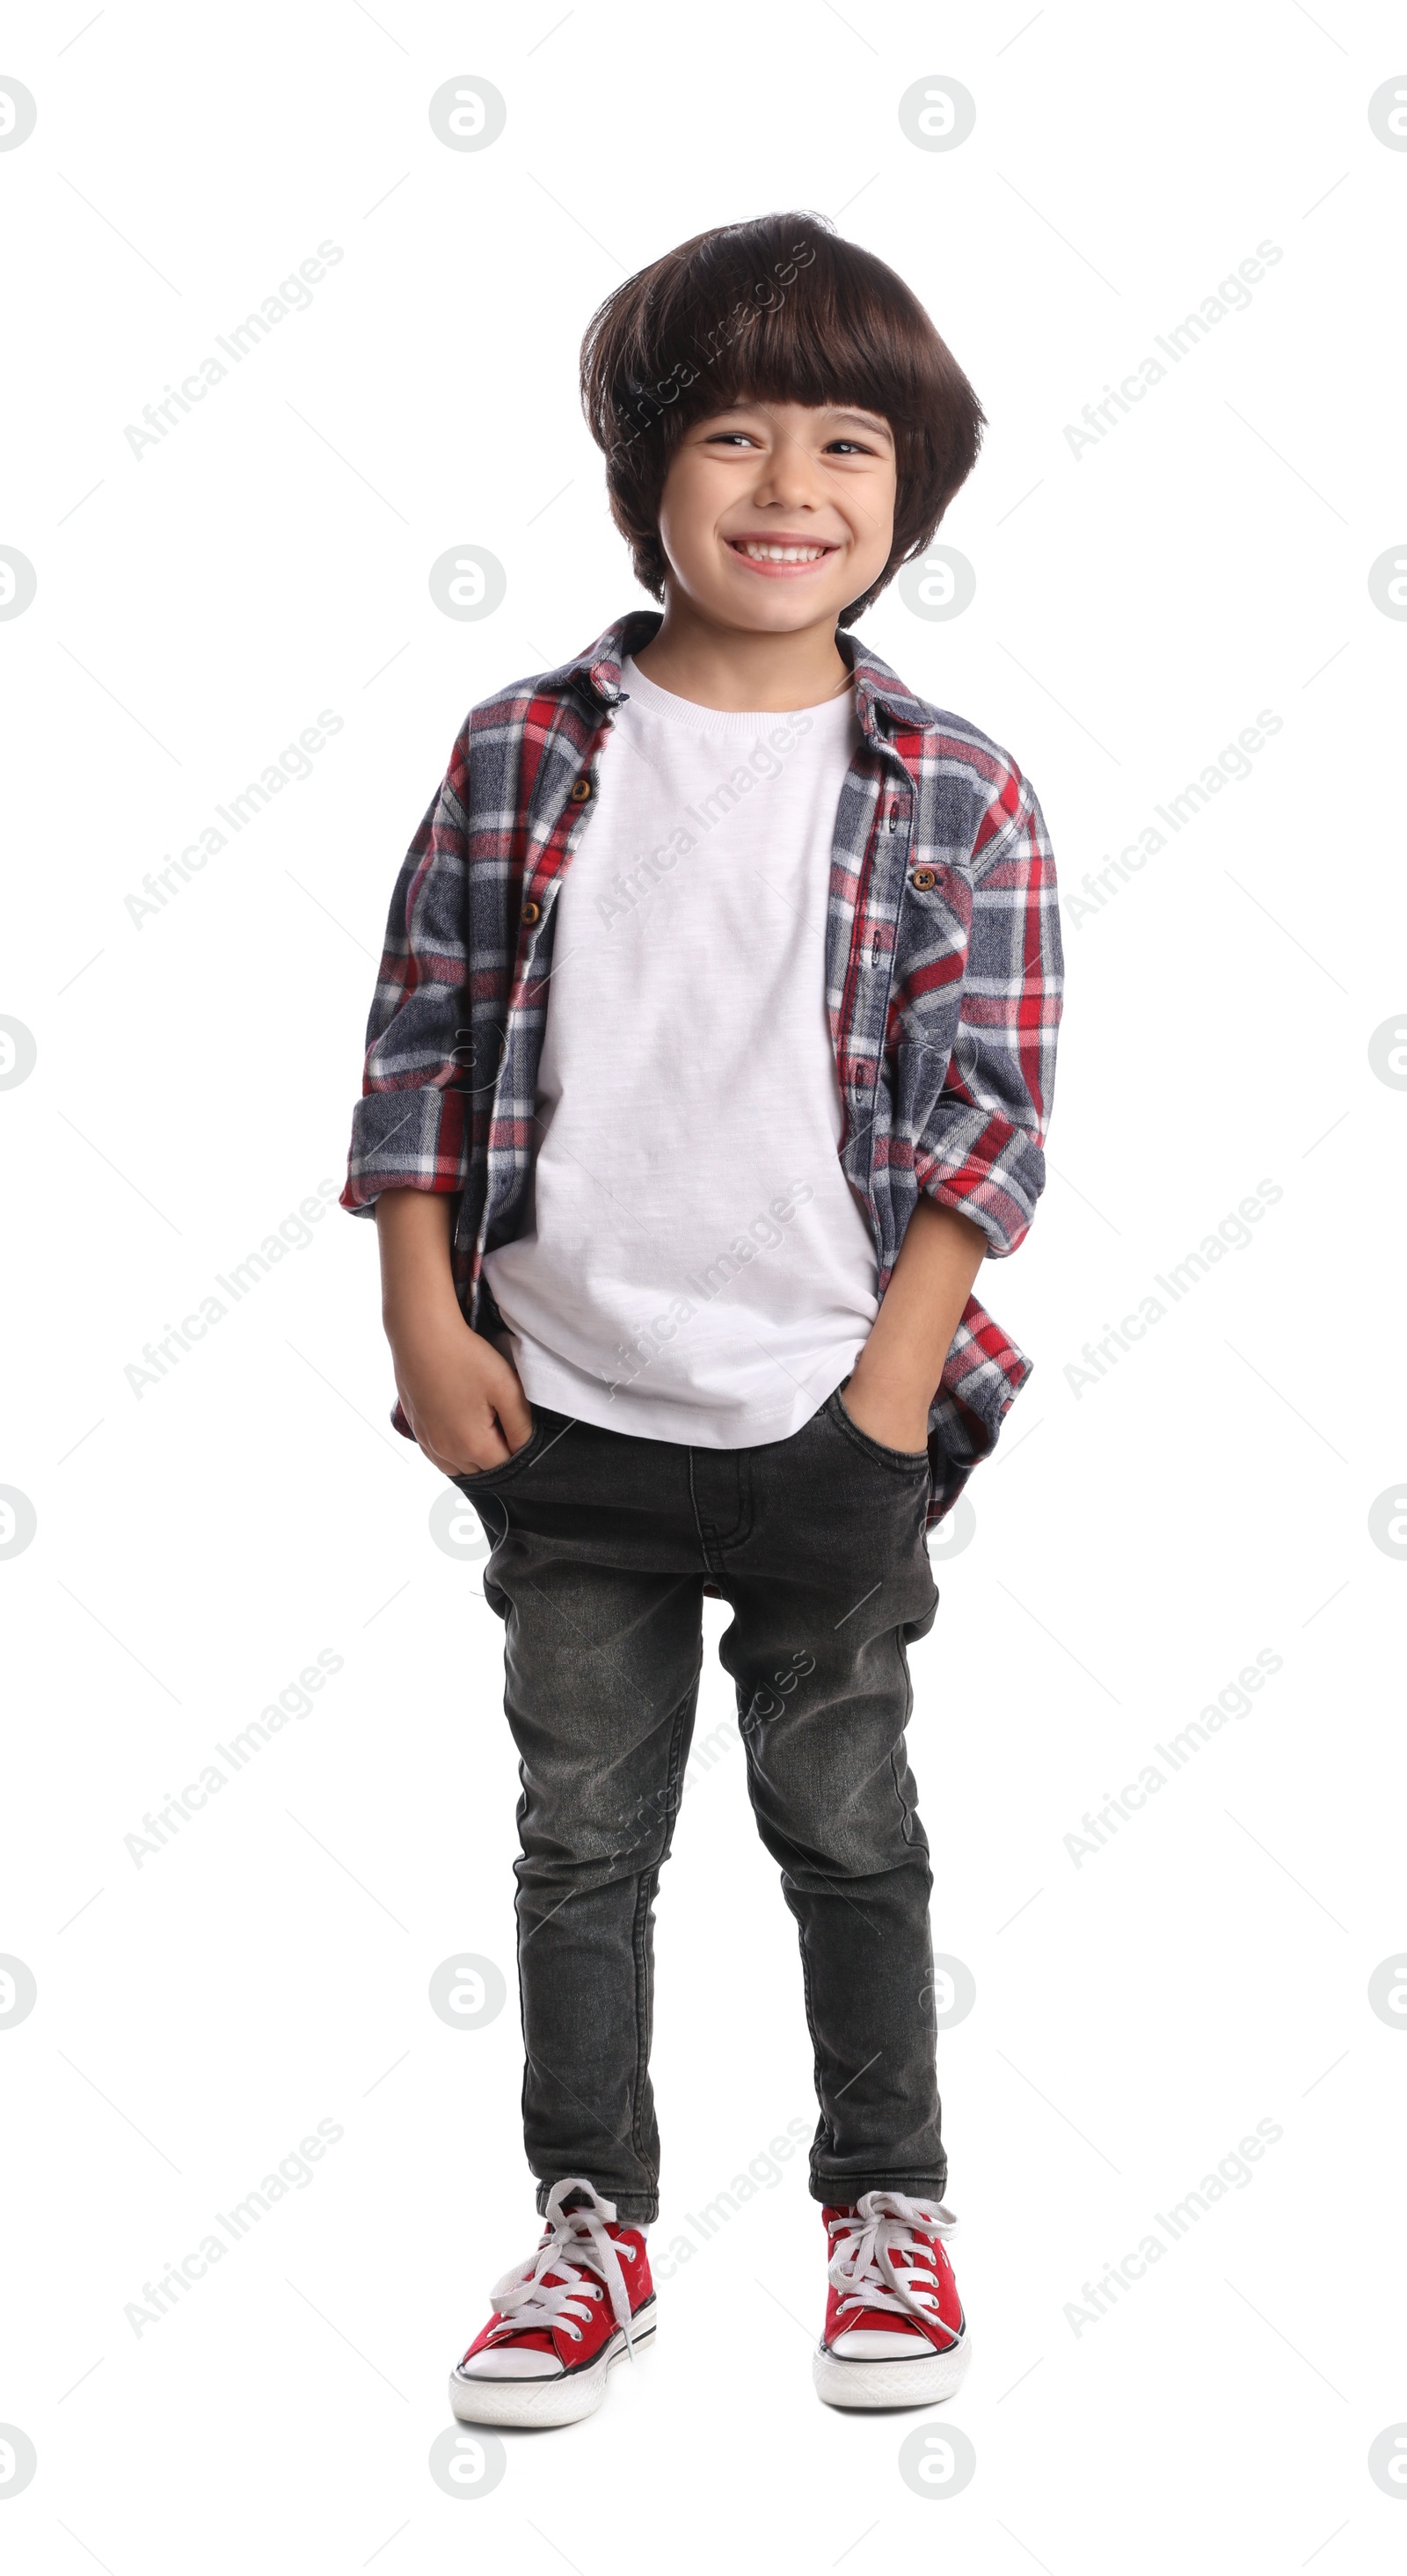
(943, 980)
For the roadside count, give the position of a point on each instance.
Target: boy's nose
(790, 488)
(788, 476)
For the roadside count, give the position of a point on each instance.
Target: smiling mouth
(766, 555)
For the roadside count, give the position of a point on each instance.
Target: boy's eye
(841, 446)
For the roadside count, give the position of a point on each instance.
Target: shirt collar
(881, 700)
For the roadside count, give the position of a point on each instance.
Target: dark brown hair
(779, 310)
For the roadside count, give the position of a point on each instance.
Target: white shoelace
(877, 2262)
(525, 2299)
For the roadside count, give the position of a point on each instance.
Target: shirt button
(531, 911)
(924, 878)
(581, 791)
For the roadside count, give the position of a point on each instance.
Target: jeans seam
(815, 2048)
(907, 1813)
(713, 1551)
(649, 1880)
(649, 1883)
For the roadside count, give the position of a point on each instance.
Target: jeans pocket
(485, 1476)
(899, 1462)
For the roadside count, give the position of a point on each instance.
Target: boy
(712, 1051)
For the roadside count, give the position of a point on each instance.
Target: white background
(1137, 1542)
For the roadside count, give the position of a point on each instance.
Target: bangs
(806, 326)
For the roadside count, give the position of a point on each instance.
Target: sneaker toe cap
(509, 2361)
(865, 2343)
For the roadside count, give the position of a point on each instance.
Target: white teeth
(782, 554)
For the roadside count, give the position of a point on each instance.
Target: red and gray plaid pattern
(943, 983)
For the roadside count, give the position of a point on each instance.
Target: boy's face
(819, 484)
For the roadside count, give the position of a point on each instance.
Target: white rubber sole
(890, 2383)
(529, 2402)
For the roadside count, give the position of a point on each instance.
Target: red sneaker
(895, 2332)
(560, 2319)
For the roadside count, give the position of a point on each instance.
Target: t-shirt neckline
(694, 718)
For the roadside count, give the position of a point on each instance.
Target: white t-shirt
(695, 1265)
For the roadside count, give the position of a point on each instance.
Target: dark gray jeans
(602, 1546)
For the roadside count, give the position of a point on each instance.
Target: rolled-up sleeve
(409, 1129)
(981, 1149)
